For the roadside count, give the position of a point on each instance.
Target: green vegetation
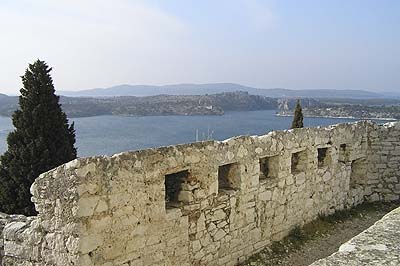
(42, 140)
(298, 116)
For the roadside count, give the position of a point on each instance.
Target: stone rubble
(231, 202)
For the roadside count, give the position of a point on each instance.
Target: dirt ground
(321, 238)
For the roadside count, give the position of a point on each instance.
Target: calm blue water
(112, 134)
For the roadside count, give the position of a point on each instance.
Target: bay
(106, 135)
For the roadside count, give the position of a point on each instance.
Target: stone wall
(4, 219)
(383, 181)
(221, 202)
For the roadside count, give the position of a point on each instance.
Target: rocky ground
(322, 237)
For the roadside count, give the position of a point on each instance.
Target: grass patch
(321, 227)
(295, 239)
(278, 247)
(297, 234)
(356, 212)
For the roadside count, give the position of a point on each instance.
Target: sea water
(101, 135)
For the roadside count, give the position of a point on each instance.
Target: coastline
(342, 117)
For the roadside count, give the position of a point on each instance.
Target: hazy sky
(291, 44)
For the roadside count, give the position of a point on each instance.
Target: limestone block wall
(4, 219)
(52, 237)
(206, 203)
(384, 169)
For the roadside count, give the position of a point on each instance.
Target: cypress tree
(298, 116)
(42, 140)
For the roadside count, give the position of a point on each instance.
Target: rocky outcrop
(206, 203)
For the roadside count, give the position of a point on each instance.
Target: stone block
(90, 243)
(87, 205)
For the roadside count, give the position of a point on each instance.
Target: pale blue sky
(291, 44)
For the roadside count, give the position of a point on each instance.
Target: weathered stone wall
(234, 197)
(51, 238)
(4, 219)
(384, 163)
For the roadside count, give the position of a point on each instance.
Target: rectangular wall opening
(228, 177)
(173, 187)
(344, 153)
(358, 175)
(269, 167)
(299, 162)
(324, 157)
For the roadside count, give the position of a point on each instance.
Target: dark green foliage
(297, 234)
(42, 140)
(298, 116)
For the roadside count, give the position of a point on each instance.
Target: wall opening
(173, 187)
(228, 177)
(269, 167)
(299, 162)
(344, 153)
(358, 175)
(324, 157)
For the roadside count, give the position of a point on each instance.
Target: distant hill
(212, 104)
(149, 90)
(8, 104)
(213, 88)
(392, 94)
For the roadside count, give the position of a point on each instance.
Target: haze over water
(101, 135)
